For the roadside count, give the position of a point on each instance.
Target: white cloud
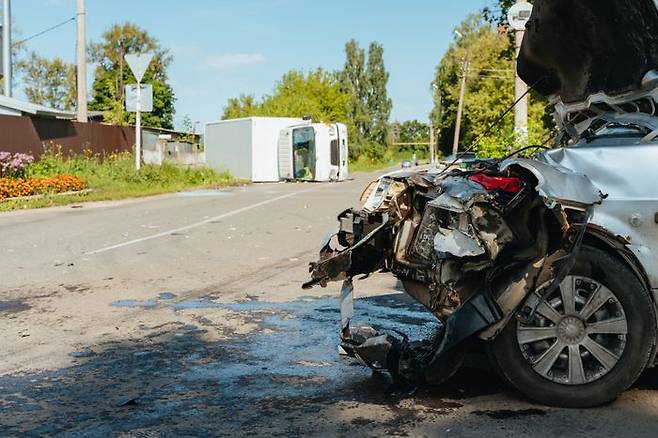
(231, 60)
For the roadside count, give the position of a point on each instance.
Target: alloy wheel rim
(577, 334)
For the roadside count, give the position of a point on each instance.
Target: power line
(44, 31)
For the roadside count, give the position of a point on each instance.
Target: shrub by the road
(14, 165)
(118, 169)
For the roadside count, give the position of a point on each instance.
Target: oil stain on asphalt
(185, 385)
(12, 306)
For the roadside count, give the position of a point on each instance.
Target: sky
(223, 48)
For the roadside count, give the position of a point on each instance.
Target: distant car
(405, 164)
(552, 261)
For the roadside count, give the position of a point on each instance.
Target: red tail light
(506, 184)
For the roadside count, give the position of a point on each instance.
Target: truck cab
(313, 152)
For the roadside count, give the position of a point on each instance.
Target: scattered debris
(148, 304)
(85, 352)
(127, 401)
(166, 296)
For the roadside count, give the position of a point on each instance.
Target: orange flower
(14, 187)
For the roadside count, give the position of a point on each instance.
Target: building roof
(17, 107)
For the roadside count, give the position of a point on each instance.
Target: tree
(112, 74)
(49, 82)
(316, 94)
(490, 90)
(377, 101)
(365, 81)
(498, 14)
(354, 82)
(237, 107)
(413, 131)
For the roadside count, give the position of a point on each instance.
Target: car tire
(575, 384)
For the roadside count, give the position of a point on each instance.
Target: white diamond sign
(139, 63)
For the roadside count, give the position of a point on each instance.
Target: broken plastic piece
(346, 305)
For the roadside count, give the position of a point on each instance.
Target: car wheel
(587, 342)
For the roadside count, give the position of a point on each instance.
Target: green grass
(391, 158)
(114, 177)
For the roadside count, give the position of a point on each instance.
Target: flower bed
(15, 187)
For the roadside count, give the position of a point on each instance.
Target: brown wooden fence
(33, 135)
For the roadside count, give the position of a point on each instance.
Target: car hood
(573, 49)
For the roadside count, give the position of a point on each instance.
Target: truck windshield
(303, 150)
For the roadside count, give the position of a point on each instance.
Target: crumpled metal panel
(559, 184)
(627, 173)
(457, 243)
(462, 188)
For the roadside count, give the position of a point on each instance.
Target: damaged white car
(552, 261)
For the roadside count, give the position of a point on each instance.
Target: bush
(14, 165)
(371, 151)
(15, 187)
(114, 174)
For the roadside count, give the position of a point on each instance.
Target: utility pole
(460, 107)
(518, 18)
(6, 46)
(82, 63)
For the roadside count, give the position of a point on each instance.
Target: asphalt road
(182, 315)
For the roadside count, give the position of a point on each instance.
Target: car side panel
(628, 175)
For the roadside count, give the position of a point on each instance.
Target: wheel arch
(598, 237)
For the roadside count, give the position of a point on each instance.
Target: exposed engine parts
(469, 244)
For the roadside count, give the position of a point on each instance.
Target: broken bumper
(470, 246)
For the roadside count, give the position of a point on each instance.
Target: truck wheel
(588, 341)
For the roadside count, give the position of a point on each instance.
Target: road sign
(518, 15)
(146, 98)
(139, 63)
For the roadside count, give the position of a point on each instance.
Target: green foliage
(371, 151)
(238, 107)
(378, 103)
(48, 82)
(316, 94)
(490, 90)
(412, 131)
(114, 177)
(391, 157)
(369, 105)
(353, 81)
(112, 74)
(356, 96)
(498, 14)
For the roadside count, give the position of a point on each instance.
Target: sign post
(138, 63)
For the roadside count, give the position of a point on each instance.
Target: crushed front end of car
(470, 245)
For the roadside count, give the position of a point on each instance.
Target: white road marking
(203, 222)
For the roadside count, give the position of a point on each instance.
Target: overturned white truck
(270, 149)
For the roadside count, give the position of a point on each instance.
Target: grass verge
(114, 177)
